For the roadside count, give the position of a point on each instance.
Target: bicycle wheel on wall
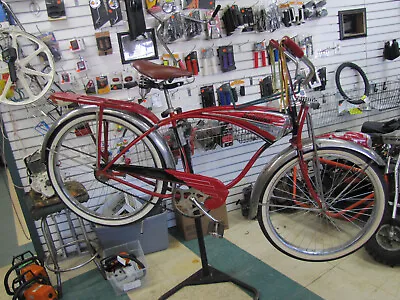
(71, 161)
(296, 225)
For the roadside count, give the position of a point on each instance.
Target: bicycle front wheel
(71, 162)
(352, 205)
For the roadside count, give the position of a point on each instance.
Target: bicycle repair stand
(208, 274)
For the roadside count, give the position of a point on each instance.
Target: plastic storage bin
(152, 233)
(125, 279)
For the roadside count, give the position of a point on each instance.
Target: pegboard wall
(383, 24)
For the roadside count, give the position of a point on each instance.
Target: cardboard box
(187, 226)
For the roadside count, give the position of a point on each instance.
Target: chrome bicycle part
(299, 226)
(189, 201)
(388, 237)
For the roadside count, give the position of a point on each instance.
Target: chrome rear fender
(142, 123)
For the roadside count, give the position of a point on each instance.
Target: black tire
(363, 76)
(385, 248)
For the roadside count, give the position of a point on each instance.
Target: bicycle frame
(260, 121)
(268, 124)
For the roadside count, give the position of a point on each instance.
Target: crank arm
(199, 206)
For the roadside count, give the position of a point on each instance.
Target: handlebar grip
(274, 44)
(293, 47)
(181, 65)
(216, 11)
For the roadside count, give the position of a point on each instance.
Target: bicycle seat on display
(159, 72)
(380, 127)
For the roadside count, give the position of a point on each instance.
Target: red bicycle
(319, 199)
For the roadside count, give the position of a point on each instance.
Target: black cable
(363, 76)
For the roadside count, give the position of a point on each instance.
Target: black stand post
(207, 274)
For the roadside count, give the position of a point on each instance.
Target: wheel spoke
(26, 86)
(34, 72)
(24, 61)
(298, 227)
(77, 154)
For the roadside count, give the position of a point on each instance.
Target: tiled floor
(354, 277)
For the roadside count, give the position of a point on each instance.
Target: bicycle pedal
(216, 229)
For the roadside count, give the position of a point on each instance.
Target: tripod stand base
(213, 276)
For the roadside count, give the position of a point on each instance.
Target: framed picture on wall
(352, 23)
(143, 47)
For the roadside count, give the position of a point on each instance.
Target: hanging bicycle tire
(360, 71)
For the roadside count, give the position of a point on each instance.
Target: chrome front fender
(137, 120)
(290, 152)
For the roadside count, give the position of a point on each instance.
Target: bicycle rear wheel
(71, 162)
(295, 224)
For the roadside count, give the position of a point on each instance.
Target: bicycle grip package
(227, 95)
(226, 58)
(192, 63)
(207, 96)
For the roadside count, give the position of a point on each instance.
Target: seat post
(168, 98)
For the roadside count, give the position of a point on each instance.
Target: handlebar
(292, 47)
(293, 51)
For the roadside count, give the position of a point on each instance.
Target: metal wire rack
(207, 135)
(385, 95)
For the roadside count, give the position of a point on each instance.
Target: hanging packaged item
(391, 50)
(192, 63)
(260, 50)
(103, 42)
(226, 94)
(90, 87)
(213, 26)
(191, 4)
(116, 81)
(226, 58)
(99, 13)
(226, 136)
(173, 28)
(207, 96)
(153, 6)
(232, 19)
(50, 40)
(55, 9)
(193, 28)
(114, 11)
(103, 86)
(208, 61)
(248, 19)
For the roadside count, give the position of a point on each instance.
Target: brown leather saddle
(159, 72)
